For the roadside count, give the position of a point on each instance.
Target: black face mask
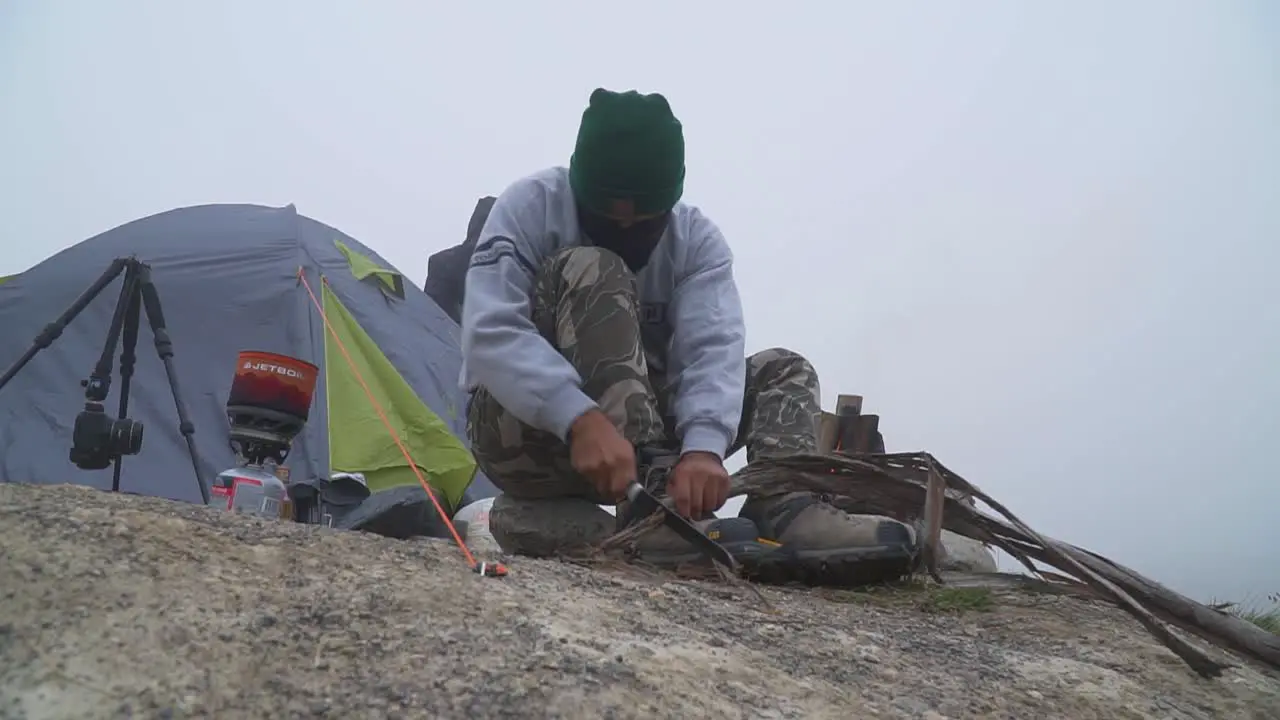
(634, 243)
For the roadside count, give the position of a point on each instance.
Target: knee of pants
(781, 357)
(780, 366)
(586, 265)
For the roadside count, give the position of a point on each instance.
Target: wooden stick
(879, 484)
(931, 522)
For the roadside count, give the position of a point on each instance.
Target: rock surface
(121, 606)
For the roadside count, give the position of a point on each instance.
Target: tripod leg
(128, 357)
(54, 329)
(98, 386)
(164, 347)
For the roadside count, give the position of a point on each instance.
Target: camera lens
(126, 436)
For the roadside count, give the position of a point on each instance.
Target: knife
(646, 503)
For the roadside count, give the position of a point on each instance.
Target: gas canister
(252, 490)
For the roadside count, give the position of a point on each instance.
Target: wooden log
(848, 412)
(850, 405)
(868, 437)
(827, 432)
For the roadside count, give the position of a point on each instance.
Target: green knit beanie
(629, 157)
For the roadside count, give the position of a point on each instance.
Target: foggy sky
(1037, 237)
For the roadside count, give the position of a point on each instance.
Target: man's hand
(698, 484)
(599, 452)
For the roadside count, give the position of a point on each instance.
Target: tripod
(97, 440)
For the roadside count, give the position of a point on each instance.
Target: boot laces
(825, 500)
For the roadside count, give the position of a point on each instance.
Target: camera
(97, 439)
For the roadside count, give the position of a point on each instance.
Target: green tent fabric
(360, 441)
(365, 268)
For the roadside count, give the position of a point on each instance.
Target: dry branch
(896, 485)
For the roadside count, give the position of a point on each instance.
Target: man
(600, 317)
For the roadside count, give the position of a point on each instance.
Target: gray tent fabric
(447, 269)
(227, 276)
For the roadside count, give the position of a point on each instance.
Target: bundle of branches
(918, 489)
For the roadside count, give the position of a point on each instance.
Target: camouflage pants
(585, 304)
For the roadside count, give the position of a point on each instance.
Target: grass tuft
(1265, 615)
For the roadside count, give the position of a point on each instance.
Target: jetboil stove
(269, 403)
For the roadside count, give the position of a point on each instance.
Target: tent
(233, 278)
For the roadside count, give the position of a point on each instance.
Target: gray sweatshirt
(690, 314)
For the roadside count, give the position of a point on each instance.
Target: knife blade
(646, 503)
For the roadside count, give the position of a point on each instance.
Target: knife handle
(634, 490)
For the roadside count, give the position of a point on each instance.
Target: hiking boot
(663, 546)
(823, 545)
(548, 527)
